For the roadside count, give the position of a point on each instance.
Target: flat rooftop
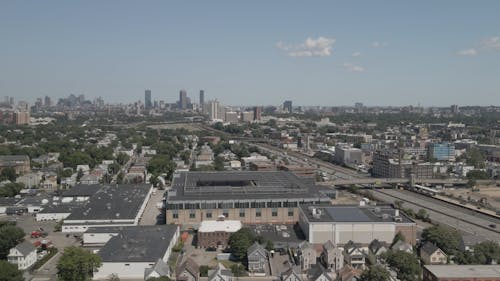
(112, 202)
(464, 271)
(138, 244)
(220, 226)
(235, 185)
(353, 213)
(81, 190)
(283, 235)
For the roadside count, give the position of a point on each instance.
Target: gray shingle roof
(25, 248)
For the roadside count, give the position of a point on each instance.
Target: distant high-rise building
(454, 109)
(359, 107)
(202, 100)
(147, 99)
(213, 109)
(231, 117)
(257, 113)
(48, 101)
(287, 106)
(183, 100)
(247, 116)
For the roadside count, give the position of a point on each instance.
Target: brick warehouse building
(250, 197)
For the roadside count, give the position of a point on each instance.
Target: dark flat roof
(82, 190)
(138, 244)
(112, 202)
(352, 213)
(234, 185)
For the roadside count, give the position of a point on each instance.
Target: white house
(24, 255)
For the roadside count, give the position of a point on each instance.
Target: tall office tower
(257, 113)
(147, 99)
(454, 109)
(183, 102)
(48, 101)
(287, 106)
(202, 99)
(213, 109)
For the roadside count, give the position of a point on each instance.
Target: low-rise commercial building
(215, 233)
(20, 163)
(461, 273)
(136, 250)
(341, 224)
(112, 205)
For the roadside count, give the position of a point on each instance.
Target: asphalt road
(441, 213)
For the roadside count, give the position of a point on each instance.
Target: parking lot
(59, 240)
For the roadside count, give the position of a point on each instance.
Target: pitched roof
(190, 266)
(289, 272)
(429, 248)
(25, 248)
(220, 270)
(375, 245)
(160, 267)
(316, 271)
(256, 247)
(328, 246)
(402, 246)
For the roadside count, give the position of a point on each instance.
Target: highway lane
(442, 214)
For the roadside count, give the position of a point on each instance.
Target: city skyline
(432, 54)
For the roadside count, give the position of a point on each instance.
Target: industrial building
(461, 273)
(361, 224)
(215, 233)
(250, 197)
(136, 250)
(112, 205)
(388, 165)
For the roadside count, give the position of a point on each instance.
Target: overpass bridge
(380, 181)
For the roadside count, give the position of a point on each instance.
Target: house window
(290, 212)
(225, 213)
(175, 214)
(274, 212)
(192, 214)
(242, 213)
(209, 214)
(258, 212)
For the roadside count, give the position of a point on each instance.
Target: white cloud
(377, 44)
(491, 44)
(319, 47)
(356, 54)
(467, 52)
(353, 68)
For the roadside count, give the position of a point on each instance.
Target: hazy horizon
(257, 52)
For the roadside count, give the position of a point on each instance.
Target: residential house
(290, 275)
(468, 242)
(401, 245)
(319, 273)
(348, 273)
(220, 274)
(89, 179)
(257, 258)
(377, 248)
(23, 255)
(159, 269)
(431, 254)
(20, 163)
(354, 255)
(188, 271)
(332, 257)
(29, 180)
(307, 255)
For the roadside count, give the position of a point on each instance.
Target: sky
(331, 53)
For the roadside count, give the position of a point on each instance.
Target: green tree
(445, 238)
(161, 164)
(11, 189)
(269, 245)
(8, 173)
(10, 236)
(204, 270)
(77, 264)
(240, 241)
(238, 270)
(477, 175)
(122, 158)
(9, 272)
(119, 178)
(375, 273)
(405, 264)
(486, 252)
(114, 168)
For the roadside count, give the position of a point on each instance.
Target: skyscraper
(257, 113)
(202, 99)
(48, 101)
(183, 102)
(287, 106)
(147, 99)
(213, 109)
